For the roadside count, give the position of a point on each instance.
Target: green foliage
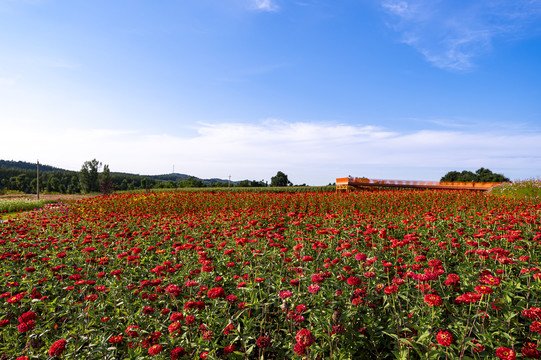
(14, 205)
(280, 179)
(106, 184)
(481, 175)
(253, 183)
(89, 176)
(522, 189)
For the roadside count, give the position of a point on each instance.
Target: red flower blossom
(131, 331)
(229, 349)
(207, 335)
(115, 339)
(467, 298)
(490, 280)
(305, 337)
(535, 326)
(148, 310)
(263, 342)
(452, 280)
(26, 326)
(477, 347)
(174, 328)
(530, 351)
(177, 353)
(57, 348)
(433, 300)
(217, 292)
(228, 329)
(532, 313)
(176, 316)
(155, 349)
(444, 338)
(27, 316)
(189, 319)
(505, 353)
(483, 289)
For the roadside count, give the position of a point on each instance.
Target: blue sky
(392, 89)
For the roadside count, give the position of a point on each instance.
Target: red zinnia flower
(155, 349)
(483, 289)
(26, 326)
(115, 339)
(444, 338)
(229, 349)
(207, 335)
(532, 313)
(263, 342)
(177, 353)
(530, 351)
(536, 326)
(148, 310)
(305, 337)
(505, 353)
(433, 299)
(300, 349)
(57, 348)
(27, 316)
(452, 279)
(131, 331)
(176, 316)
(216, 292)
(174, 327)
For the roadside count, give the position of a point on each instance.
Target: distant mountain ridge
(175, 177)
(23, 165)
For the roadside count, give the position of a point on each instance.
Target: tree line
(481, 175)
(96, 177)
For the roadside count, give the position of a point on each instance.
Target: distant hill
(23, 165)
(175, 177)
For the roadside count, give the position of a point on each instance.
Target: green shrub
(526, 189)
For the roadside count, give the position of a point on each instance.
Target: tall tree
(89, 177)
(106, 183)
(280, 180)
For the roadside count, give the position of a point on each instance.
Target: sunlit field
(200, 275)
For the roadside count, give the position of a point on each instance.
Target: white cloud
(452, 34)
(312, 153)
(265, 5)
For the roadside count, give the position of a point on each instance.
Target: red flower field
(191, 275)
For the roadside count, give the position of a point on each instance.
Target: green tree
(280, 180)
(106, 183)
(481, 175)
(89, 177)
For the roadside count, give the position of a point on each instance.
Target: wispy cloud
(312, 153)
(451, 34)
(265, 5)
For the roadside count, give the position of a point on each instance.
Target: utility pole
(229, 182)
(37, 186)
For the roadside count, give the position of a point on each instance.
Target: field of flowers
(198, 275)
